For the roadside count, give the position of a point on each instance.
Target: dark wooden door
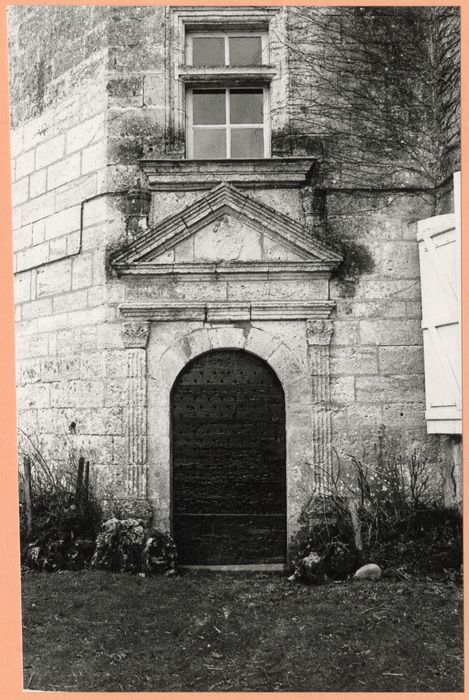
(228, 456)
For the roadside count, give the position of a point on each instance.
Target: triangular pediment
(225, 227)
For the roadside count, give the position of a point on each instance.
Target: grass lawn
(96, 630)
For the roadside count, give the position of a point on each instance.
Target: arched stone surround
(298, 352)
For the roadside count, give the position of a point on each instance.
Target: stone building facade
(138, 251)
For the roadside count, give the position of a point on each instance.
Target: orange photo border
(11, 678)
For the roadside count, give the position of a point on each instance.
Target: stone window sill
(286, 173)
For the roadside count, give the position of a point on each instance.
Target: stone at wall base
(370, 572)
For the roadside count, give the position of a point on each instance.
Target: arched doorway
(228, 461)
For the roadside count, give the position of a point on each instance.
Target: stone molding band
(143, 312)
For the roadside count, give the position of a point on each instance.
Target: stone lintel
(224, 311)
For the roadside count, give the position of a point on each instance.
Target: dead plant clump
(62, 524)
(386, 510)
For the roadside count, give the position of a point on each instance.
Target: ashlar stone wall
(90, 96)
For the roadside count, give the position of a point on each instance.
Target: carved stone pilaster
(318, 335)
(135, 340)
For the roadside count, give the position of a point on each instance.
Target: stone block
(97, 296)
(68, 342)
(26, 327)
(54, 279)
(89, 394)
(365, 415)
(16, 141)
(86, 317)
(73, 193)
(19, 191)
(354, 360)
(120, 450)
(39, 231)
(404, 415)
(95, 212)
(85, 133)
(39, 345)
(37, 183)
(88, 339)
(59, 369)
(50, 151)
(22, 287)
(345, 332)
(52, 344)
(22, 237)
(70, 302)
(116, 363)
(63, 171)
(34, 309)
(82, 271)
(93, 365)
(400, 260)
(32, 257)
(380, 308)
(22, 347)
(58, 248)
(398, 332)
(342, 390)
(63, 222)
(16, 216)
(109, 336)
(27, 399)
(390, 388)
(414, 309)
(24, 164)
(93, 157)
(37, 208)
(400, 359)
(30, 371)
(59, 394)
(52, 323)
(379, 288)
(115, 393)
(73, 243)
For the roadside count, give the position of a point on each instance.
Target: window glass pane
(208, 51)
(245, 50)
(209, 143)
(246, 106)
(208, 107)
(247, 143)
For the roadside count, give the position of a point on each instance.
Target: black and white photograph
(237, 285)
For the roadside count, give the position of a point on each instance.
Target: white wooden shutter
(439, 239)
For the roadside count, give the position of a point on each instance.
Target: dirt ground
(98, 631)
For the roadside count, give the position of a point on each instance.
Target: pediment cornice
(141, 256)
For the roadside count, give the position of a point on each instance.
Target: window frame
(227, 34)
(227, 126)
(235, 81)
